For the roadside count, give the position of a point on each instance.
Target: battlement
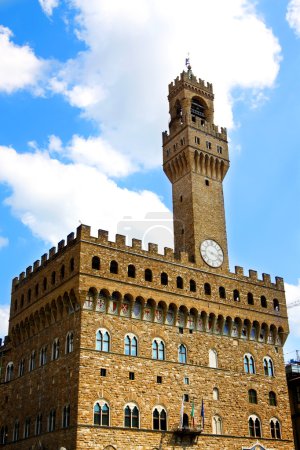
(190, 78)
(84, 234)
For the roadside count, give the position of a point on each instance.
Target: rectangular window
(131, 375)
(186, 380)
(159, 379)
(103, 372)
(186, 397)
(197, 140)
(208, 145)
(182, 141)
(180, 329)
(219, 149)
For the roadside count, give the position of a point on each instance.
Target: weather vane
(188, 65)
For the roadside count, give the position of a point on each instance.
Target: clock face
(212, 253)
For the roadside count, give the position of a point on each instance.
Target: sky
(83, 103)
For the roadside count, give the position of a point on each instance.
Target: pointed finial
(188, 65)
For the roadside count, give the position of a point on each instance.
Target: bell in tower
(195, 159)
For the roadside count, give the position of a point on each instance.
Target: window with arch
(72, 264)
(213, 358)
(43, 356)
(276, 304)
(275, 428)
(197, 109)
(249, 366)
(31, 365)
(193, 286)
(252, 395)
(179, 283)
(158, 349)
(27, 427)
(45, 284)
(131, 416)
(215, 393)
(101, 414)
(22, 301)
(28, 295)
(254, 426)
(103, 340)
(51, 420)
(4, 435)
(21, 367)
(159, 416)
(222, 292)
(38, 424)
(263, 301)
(96, 262)
(53, 277)
(250, 298)
(114, 267)
(164, 278)
(55, 349)
(236, 295)
(217, 425)
(62, 272)
(36, 290)
(131, 271)
(268, 367)
(207, 289)
(148, 275)
(130, 343)
(69, 342)
(9, 374)
(16, 431)
(16, 305)
(272, 399)
(66, 416)
(182, 354)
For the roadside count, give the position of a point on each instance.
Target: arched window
(158, 349)
(268, 367)
(43, 356)
(252, 396)
(254, 426)
(62, 272)
(250, 298)
(179, 283)
(69, 342)
(36, 290)
(21, 367)
(27, 427)
(131, 271)
(53, 277)
(51, 420)
(222, 292)
(207, 289)
(16, 431)
(275, 428)
(164, 279)
(31, 366)
(159, 418)
(217, 425)
(28, 295)
(213, 358)
(215, 393)
(72, 264)
(66, 416)
(263, 301)
(249, 366)
(131, 416)
(272, 399)
(113, 267)
(182, 354)
(130, 345)
(55, 349)
(101, 414)
(193, 287)
(103, 340)
(148, 275)
(236, 295)
(275, 304)
(22, 301)
(45, 283)
(197, 109)
(3, 435)
(9, 374)
(96, 262)
(38, 425)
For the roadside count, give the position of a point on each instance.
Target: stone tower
(195, 159)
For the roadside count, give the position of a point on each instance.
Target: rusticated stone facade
(111, 346)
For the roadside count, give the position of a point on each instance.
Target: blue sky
(83, 102)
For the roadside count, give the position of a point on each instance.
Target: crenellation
(60, 245)
(266, 278)
(279, 283)
(152, 248)
(253, 275)
(136, 244)
(120, 240)
(184, 257)
(168, 253)
(70, 237)
(83, 232)
(238, 270)
(36, 265)
(28, 271)
(52, 252)
(44, 259)
(103, 236)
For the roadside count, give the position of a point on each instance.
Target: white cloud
(293, 16)
(52, 198)
(292, 295)
(3, 242)
(48, 6)
(4, 315)
(19, 67)
(134, 49)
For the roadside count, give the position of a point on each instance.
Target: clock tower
(195, 159)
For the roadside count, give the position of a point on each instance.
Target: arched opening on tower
(198, 109)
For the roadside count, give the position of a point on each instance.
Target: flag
(193, 414)
(202, 414)
(181, 412)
